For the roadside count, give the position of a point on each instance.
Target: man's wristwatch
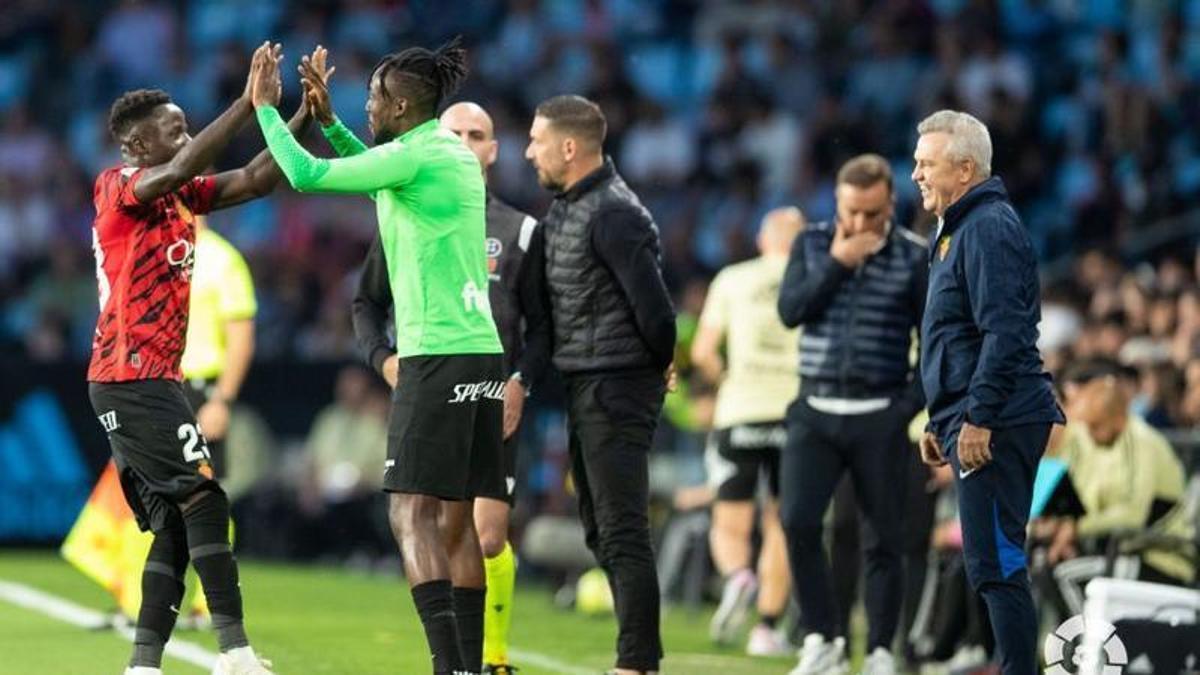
(520, 380)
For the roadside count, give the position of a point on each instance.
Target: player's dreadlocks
(425, 77)
(132, 107)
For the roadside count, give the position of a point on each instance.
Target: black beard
(551, 185)
(382, 137)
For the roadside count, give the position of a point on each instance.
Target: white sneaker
(818, 657)
(766, 641)
(967, 658)
(143, 670)
(735, 604)
(879, 662)
(241, 661)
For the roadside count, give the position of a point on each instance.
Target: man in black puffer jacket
(614, 337)
(856, 287)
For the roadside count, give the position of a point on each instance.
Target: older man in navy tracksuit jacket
(990, 402)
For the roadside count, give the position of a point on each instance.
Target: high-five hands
(265, 85)
(315, 78)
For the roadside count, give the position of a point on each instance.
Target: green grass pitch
(318, 620)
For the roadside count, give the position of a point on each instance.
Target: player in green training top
(445, 427)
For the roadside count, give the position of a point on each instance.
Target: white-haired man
(990, 401)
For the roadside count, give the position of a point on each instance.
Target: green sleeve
(384, 166)
(344, 142)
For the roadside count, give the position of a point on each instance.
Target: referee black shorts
(445, 433)
(161, 456)
(505, 490)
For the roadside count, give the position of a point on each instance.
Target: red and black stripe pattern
(144, 258)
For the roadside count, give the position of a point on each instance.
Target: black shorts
(445, 432)
(737, 455)
(197, 393)
(160, 454)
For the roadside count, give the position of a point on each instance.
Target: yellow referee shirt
(222, 291)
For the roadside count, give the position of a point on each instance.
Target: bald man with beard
(516, 291)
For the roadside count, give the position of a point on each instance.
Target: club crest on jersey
(943, 247)
(493, 248)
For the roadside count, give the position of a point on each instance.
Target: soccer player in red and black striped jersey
(144, 241)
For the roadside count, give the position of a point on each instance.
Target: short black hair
(132, 107)
(425, 77)
(575, 115)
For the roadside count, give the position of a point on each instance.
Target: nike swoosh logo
(963, 474)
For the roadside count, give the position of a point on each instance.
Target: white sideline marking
(64, 610)
(698, 659)
(542, 661)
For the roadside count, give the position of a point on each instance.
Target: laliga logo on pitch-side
(1068, 632)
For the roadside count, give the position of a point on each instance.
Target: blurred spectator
(339, 495)
(137, 61)
(1127, 478)
(345, 444)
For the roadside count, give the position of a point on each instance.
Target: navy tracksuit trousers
(993, 507)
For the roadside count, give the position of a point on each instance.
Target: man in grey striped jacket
(857, 288)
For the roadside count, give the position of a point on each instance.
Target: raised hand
(852, 250)
(266, 85)
(255, 60)
(315, 78)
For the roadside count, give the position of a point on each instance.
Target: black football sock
(435, 605)
(468, 610)
(208, 544)
(162, 592)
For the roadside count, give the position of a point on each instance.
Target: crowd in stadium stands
(1147, 318)
(717, 111)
